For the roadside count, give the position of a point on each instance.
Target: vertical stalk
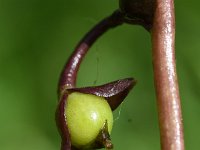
(165, 77)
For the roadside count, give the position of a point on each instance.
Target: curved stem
(69, 73)
(167, 90)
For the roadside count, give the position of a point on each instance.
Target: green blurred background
(37, 37)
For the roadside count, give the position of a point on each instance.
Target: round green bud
(86, 114)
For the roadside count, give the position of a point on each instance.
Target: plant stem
(165, 77)
(69, 73)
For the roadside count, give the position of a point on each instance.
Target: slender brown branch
(69, 73)
(167, 91)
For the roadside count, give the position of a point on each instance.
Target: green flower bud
(86, 115)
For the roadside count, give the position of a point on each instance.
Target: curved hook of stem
(69, 73)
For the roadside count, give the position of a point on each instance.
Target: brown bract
(114, 92)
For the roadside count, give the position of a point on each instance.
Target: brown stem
(167, 91)
(69, 73)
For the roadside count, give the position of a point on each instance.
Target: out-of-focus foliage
(36, 38)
